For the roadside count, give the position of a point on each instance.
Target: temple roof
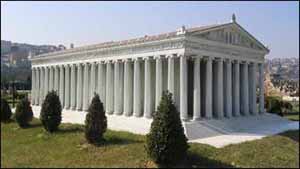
(147, 38)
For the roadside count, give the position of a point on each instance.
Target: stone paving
(217, 133)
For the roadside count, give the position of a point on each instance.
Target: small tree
(5, 111)
(23, 113)
(95, 121)
(51, 112)
(166, 143)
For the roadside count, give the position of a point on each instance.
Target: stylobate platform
(215, 132)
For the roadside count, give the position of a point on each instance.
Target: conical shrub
(50, 115)
(95, 121)
(5, 111)
(23, 113)
(166, 143)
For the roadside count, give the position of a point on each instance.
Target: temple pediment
(232, 34)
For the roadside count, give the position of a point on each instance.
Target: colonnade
(216, 87)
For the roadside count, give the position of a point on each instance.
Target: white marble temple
(210, 70)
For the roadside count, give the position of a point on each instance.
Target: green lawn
(33, 147)
(294, 117)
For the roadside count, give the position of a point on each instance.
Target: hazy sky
(275, 24)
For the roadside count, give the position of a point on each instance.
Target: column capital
(252, 63)
(206, 58)
(148, 58)
(117, 61)
(228, 60)
(137, 59)
(99, 62)
(159, 56)
(108, 61)
(219, 59)
(196, 57)
(244, 62)
(171, 55)
(236, 61)
(127, 60)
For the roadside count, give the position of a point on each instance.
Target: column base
(138, 115)
(127, 114)
(185, 119)
(197, 119)
(148, 117)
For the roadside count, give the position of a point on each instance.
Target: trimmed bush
(166, 144)
(5, 111)
(276, 105)
(95, 121)
(50, 115)
(23, 113)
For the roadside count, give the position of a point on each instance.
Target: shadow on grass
(8, 121)
(34, 125)
(293, 134)
(64, 130)
(197, 161)
(115, 140)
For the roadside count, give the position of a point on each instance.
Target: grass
(292, 116)
(33, 147)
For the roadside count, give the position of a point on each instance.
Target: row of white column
(126, 86)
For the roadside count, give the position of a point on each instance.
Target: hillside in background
(14, 60)
(283, 68)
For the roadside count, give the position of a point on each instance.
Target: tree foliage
(51, 112)
(95, 121)
(5, 111)
(24, 113)
(166, 143)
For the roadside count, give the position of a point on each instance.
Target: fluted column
(261, 88)
(128, 88)
(79, 87)
(109, 88)
(183, 88)
(171, 75)
(85, 105)
(208, 88)
(37, 85)
(228, 89)
(42, 87)
(67, 87)
(62, 85)
(219, 89)
(236, 88)
(158, 81)
(197, 89)
(33, 86)
(46, 82)
(148, 93)
(121, 88)
(102, 82)
(73, 87)
(56, 79)
(51, 79)
(118, 85)
(137, 107)
(252, 89)
(245, 89)
(92, 88)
